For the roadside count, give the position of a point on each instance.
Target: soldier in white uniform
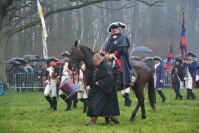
(51, 79)
(190, 75)
(65, 75)
(83, 87)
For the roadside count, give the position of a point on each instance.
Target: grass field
(24, 112)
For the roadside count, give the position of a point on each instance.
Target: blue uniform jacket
(192, 69)
(121, 45)
(159, 75)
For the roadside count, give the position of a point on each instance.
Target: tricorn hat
(191, 54)
(116, 25)
(178, 60)
(53, 59)
(157, 58)
(66, 53)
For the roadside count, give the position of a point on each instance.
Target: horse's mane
(88, 54)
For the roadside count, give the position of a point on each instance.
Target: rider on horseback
(117, 50)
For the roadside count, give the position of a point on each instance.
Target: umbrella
(30, 57)
(142, 49)
(178, 56)
(21, 60)
(39, 58)
(135, 58)
(13, 61)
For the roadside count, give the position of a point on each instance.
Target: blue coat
(159, 75)
(192, 69)
(121, 44)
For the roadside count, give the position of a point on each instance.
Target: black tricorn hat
(157, 58)
(191, 54)
(66, 53)
(53, 59)
(178, 60)
(116, 25)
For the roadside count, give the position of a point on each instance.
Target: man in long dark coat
(176, 74)
(104, 101)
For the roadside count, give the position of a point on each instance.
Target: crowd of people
(25, 76)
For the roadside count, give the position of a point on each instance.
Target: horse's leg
(139, 92)
(134, 112)
(143, 110)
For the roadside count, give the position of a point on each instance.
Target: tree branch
(88, 2)
(35, 22)
(151, 4)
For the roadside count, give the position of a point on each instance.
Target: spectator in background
(12, 71)
(168, 66)
(29, 77)
(20, 77)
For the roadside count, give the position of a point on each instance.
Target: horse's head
(76, 55)
(80, 53)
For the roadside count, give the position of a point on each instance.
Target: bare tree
(13, 20)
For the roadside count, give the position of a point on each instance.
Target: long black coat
(176, 76)
(104, 101)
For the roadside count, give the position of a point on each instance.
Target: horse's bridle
(75, 64)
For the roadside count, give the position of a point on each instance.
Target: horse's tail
(151, 91)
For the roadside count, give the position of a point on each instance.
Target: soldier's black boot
(69, 103)
(50, 101)
(188, 94)
(128, 101)
(161, 95)
(75, 100)
(54, 103)
(192, 95)
(85, 105)
(63, 96)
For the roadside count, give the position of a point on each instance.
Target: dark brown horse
(80, 53)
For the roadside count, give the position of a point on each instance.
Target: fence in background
(35, 81)
(26, 81)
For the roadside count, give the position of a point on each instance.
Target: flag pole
(43, 30)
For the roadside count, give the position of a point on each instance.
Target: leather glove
(161, 81)
(110, 56)
(106, 56)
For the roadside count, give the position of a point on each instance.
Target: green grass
(24, 112)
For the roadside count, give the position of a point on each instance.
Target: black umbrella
(142, 49)
(30, 57)
(21, 60)
(39, 58)
(13, 61)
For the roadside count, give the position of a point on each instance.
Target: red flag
(170, 55)
(183, 42)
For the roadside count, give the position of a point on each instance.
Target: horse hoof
(132, 119)
(143, 117)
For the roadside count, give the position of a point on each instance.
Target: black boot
(192, 95)
(69, 103)
(188, 94)
(50, 101)
(85, 105)
(162, 95)
(54, 103)
(74, 97)
(63, 96)
(128, 101)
